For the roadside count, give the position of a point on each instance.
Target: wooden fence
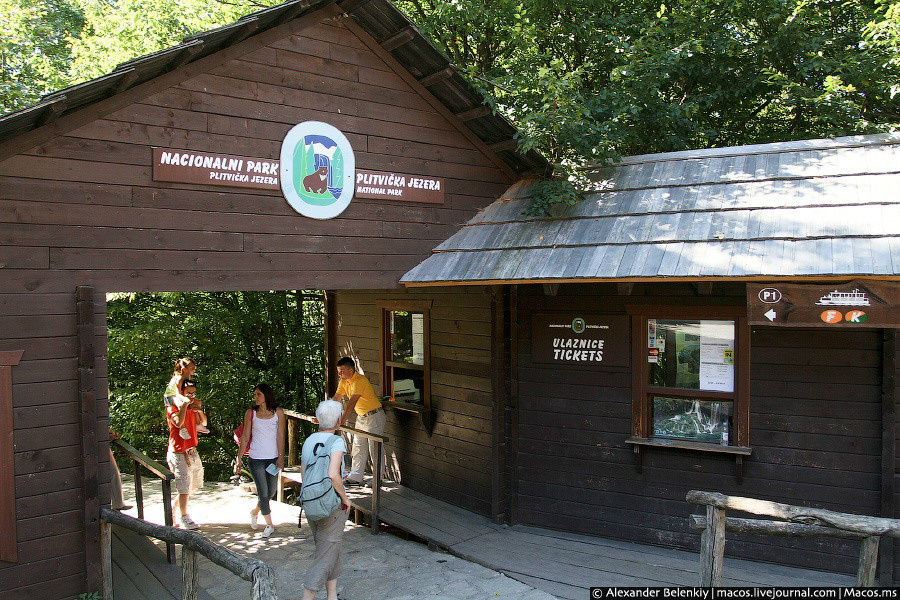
(192, 543)
(796, 521)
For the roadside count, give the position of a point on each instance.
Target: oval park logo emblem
(317, 170)
(578, 325)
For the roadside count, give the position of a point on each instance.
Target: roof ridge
(852, 141)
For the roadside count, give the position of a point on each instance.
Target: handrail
(142, 460)
(248, 569)
(311, 419)
(148, 463)
(797, 521)
(377, 460)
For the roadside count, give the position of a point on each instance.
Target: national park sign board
(207, 168)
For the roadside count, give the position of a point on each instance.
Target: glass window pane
(693, 355)
(407, 337)
(408, 384)
(697, 420)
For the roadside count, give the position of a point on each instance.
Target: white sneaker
(254, 515)
(188, 523)
(269, 530)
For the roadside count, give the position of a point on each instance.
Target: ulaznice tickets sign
(206, 168)
(579, 339)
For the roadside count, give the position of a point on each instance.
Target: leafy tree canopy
(584, 80)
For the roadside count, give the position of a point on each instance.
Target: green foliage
(89, 596)
(586, 81)
(35, 49)
(548, 196)
(238, 339)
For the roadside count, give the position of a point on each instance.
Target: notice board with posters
(856, 304)
(589, 340)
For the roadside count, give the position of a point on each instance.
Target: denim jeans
(266, 484)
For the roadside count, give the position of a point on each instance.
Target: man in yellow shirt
(369, 416)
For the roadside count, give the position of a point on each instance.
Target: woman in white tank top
(264, 426)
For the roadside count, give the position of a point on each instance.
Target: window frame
(642, 391)
(385, 307)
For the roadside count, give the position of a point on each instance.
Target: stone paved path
(375, 567)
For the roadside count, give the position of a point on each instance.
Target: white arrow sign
(771, 314)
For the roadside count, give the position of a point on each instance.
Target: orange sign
(832, 316)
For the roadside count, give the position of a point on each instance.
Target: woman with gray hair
(327, 532)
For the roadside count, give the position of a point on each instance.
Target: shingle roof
(815, 207)
(379, 18)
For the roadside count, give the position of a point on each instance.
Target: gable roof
(379, 18)
(797, 209)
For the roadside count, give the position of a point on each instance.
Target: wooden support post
(291, 443)
(264, 583)
(500, 388)
(376, 485)
(138, 490)
(87, 399)
(868, 561)
(888, 449)
(330, 343)
(167, 516)
(106, 575)
(189, 574)
(511, 425)
(8, 549)
(712, 548)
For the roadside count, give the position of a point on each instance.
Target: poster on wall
(717, 356)
(589, 340)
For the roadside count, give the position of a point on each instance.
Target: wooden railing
(796, 521)
(142, 460)
(192, 543)
(293, 419)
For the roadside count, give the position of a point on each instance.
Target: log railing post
(263, 583)
(167, 516)
(376, 484)
(868, 561)
(189, 574)
(138, 490)
(291, 442)
(712, 548)
(106, 560)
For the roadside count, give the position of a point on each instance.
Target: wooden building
(97, 195)
(86, 205)
(720, 319)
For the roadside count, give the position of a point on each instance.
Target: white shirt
(264, 439)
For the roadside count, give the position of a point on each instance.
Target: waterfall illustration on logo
(317, 170)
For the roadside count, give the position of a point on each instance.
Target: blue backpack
(318, 498)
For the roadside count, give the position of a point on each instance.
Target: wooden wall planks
(815, 431)
(78, 207)
(454, 463)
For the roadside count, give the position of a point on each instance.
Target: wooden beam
(500, 389)
(106, 592)
(511, 424)
(245, 30)
(8, 550)
(405, 36)
(505, 145)
(87, 399)
(785, 528)
(188, 52)
(127, 79)
(868, 561)
(330, 342)
(888, 448)
(53, 109)
(351, 6)
(445, 73)
(474, 113)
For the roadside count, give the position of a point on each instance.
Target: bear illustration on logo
(317, 170)
(317, 181)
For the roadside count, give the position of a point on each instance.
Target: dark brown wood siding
(453, 464)
(815, 427)
(78, 207)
